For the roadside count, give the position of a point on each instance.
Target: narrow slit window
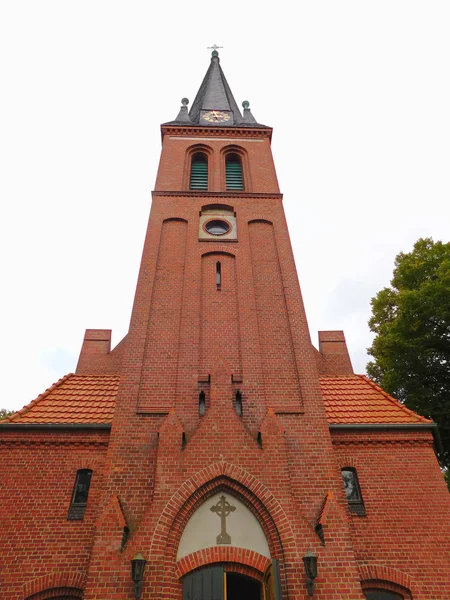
(199, 172)
(233, 172)
(239, 403)
(201, 404)
(218, 275)
(353, 491)
(80, 495)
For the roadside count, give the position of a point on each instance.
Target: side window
(199, 172)
(353, 491)
(80, 495)
(233, 172)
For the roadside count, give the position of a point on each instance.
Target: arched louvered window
(199, 172)
(233, 171)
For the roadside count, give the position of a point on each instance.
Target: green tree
(4, 412)
(411, 320)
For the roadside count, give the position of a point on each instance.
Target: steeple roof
(215, 94)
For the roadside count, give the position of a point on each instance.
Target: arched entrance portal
(218, 583)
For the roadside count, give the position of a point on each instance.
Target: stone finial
(248, 117)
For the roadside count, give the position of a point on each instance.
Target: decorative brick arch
(194, 492)
(88, 462)
(45, 584)
(175, 219)
(243, 155)
(217, 206)
(218, 248)
(260, 220)
(67, 593)
(219, 252)
(386, 578)
(347, 461)
(200, 148)
(223, 554)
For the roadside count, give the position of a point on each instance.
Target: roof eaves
(429, 425)
(54, 426)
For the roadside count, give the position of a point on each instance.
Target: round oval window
(217, 227)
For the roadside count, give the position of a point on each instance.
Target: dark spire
(215, 95)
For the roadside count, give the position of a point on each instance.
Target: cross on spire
(214, 47)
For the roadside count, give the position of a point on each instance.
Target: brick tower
(219, 385)
(215, 442)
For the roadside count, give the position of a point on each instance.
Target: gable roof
(356, 399)
(91, 399)
(72, 399)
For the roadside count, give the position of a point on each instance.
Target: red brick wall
(407, 503)
(285, 480)
(258, 167)
(39, 546)
(164, 460)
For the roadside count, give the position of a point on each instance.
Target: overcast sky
(358, 94)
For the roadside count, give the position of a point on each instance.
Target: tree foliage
(411, 320)
(4, 412)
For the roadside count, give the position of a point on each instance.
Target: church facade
(214, 453)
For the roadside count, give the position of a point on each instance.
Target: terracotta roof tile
(73, 399)
(91, 399)
(357, 399)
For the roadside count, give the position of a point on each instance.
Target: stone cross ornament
(223, 508)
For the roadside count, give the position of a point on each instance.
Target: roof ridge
(44, 394)
(393, 400)
(340, 376)
(94, 375)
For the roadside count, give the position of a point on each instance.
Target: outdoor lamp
(137, 573)
(310, 562)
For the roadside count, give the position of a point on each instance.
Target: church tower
(219, 381)
(214, 453)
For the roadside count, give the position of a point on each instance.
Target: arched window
(353, 491)
(80, 495)
(233, 172)
(374, 594)
(199, 172)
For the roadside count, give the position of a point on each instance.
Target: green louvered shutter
(233, 169)
(199, 172)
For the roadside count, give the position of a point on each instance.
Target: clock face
(216, 116)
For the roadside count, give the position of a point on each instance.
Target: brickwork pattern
(162, 459)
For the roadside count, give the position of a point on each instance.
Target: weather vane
(214, 47)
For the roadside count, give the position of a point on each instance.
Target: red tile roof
(73, 399)
(357, 399)
(91, 399)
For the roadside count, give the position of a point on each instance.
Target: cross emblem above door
(223, 508)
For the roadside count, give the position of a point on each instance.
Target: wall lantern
(137, 573)
(310, 562)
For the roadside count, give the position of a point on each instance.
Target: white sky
(358, 93)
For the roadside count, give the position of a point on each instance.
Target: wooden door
(205, 584)
(272, 582)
